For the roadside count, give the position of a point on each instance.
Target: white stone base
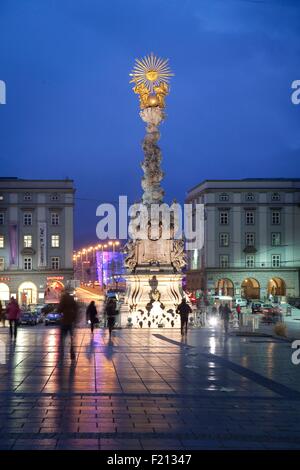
(140, 306)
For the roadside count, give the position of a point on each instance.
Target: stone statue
(178, 256)
(131, 259)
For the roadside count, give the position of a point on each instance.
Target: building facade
(36, 239)
(251, 232)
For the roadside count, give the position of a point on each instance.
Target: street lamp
(113, 244)
(102, 247)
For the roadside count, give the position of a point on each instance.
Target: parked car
(34, 307)
(270, 313)
(49, 308)
(241, 302)
(39, 315)
(53, 318)
(27, 318)
(256, 307)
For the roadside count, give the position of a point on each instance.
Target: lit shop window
(1, 241)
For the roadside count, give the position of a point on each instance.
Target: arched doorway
(250, 288)
(53, 292)
(27, 293)
(4, 292)
(224, 287)
(276, 286)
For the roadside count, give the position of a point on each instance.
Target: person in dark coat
(111, 312)
(184, 309)
(69, 309)
(91, 315)
(225, 315)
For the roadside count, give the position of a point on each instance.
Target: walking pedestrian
(111, 312)
(13, 315)
(184, 309)
(69, 309)
(239, 314)
(2, 314)
(225, 315)
(221, 308)
(91, 315)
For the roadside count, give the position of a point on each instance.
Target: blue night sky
(70, 110)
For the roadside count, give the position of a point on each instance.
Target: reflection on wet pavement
(145, 388)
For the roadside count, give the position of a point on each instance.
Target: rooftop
(241, 183)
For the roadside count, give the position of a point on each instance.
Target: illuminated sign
(55, 278)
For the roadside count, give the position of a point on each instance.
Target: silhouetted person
(69, 309)
(13, 315)
(184, 309)
(111, 312)
(91, 314)
(220, 310)
(225, 315)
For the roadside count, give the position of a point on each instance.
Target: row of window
(27, 241)
(27, 218)
(248, 197)
(27, 263)
(28, 197)
(249, 217)
(250, 239)
(250, 261)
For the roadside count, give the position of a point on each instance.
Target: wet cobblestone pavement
(148, 390)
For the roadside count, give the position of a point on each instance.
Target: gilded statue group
(144, 93)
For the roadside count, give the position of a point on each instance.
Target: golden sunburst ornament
(151, 71)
